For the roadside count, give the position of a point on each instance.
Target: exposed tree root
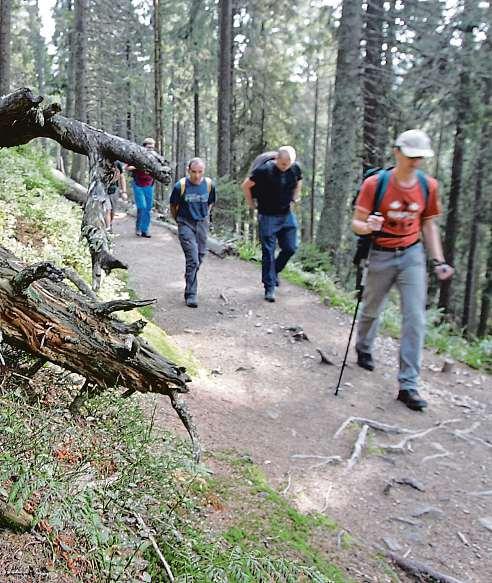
(358, 447)
(420, 570)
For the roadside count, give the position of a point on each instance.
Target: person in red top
(397, 257)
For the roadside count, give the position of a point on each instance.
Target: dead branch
(358, 447)
(14, 520)
(323, 357)
(121, 306)
(79, 283)
(149, 535)
(419, 570)
(23, 279)
(332, 459)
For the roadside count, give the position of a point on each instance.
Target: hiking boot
(364, 360)
(270, 295)
(191, 302)
(146, 235)
(412, 399)
(138, 234)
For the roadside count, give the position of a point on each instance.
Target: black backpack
(384, 174)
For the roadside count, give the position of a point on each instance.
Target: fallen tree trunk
(215, 246)
(55, 323)
(22, 119)
(73, 191)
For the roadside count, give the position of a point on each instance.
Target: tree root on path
(465, 434)
(358, 447)
(420, 570)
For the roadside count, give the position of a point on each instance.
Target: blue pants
(406, 270)
(273, 228)
(193, 238)
(144, 201)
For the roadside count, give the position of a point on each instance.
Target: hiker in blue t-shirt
(191, 201)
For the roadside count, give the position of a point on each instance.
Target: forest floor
(261, 393)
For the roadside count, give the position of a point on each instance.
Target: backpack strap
(381, 187)
(424, 185)
(182, 184)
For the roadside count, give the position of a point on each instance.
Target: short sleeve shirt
(194, 202)
(404, 209)
(274, 189)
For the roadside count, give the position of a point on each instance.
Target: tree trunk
(80, 82)
(340, 182)
(373, 84)
(129, 124)
(482, 168)
(313, 171)
(483, 325)
(5, 48)
(196, 109)
(462, 117)
(224, 102)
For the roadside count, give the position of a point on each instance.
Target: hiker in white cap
(396, 208)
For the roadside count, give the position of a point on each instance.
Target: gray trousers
(193, 238)
(406, 269)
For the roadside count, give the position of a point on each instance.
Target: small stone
(486, 522)
(269, 331)
(428, 511)
(392, 544)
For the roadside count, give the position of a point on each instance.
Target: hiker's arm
(174, 208)
(247, 185)
(297, 192)
(432, 239)
(364, 223)
(122, 185)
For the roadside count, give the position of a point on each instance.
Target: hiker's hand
(443, 271)
(124, 196)
(375, 223)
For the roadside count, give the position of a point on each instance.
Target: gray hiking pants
(193, 238)
(405, 269)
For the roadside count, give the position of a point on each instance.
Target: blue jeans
(406, 270)
(273, 228)
(193, 238)
(144, 201)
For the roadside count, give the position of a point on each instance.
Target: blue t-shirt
(194, 203)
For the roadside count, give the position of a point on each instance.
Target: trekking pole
(360, 289)
(359, 298)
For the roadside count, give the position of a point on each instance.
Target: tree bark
(483, 325)
(312, 208)
(224, 90)
(5, 48)
(196, 109)
(80, 81)
(462, 117)
(373, 84)
(340, 182)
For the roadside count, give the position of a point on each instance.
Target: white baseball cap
(414, 144)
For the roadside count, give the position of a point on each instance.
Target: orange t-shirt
(403, 209)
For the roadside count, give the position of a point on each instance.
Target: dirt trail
(268, 395)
